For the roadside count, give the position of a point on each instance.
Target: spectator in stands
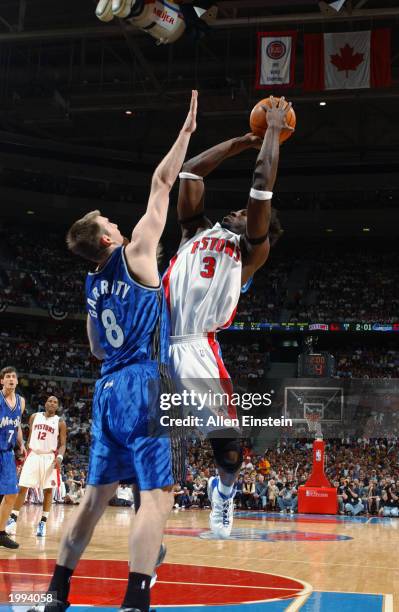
(363, 494)
(272, 494)
(248, 491)
(200, 492)
(373, 498)
(389, 501)
(260, 495)
(238, 499)
(264, 466)
(123, 497)
(287, 498)
(73, 489)
(183, 499)
(351, 497)
(247, 463)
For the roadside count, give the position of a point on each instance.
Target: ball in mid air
(258, 121)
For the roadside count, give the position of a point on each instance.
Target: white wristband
(189, 175)
(256, 194)
(60, 457)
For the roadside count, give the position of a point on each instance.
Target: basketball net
(314, 424)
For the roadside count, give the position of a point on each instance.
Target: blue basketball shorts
(8, 473)
(121, 447)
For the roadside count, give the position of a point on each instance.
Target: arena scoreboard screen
(313, 327)
(316, 365)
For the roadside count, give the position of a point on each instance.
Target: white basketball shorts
(38, 471)
(197, 367)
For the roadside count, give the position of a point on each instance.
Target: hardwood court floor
(315, 553)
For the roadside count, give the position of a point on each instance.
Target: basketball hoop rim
(313, 418)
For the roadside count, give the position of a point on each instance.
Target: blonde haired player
(203, 285)
(47, 445)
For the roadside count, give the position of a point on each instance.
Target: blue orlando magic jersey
(10, 420)
(131, 319)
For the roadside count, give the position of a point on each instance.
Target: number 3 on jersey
(113, 332)
(209, 267)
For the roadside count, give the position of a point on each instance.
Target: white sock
(45, 514)
(16, 512)
(225, 490)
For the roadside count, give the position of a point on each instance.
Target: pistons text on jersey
(219, 245)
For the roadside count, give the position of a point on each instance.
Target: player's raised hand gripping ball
(261, 116)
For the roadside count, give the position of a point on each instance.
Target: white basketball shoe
(41, 529)
(11, 527)
(221, 516)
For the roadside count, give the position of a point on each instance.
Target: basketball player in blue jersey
(128, 328)
(12, 407)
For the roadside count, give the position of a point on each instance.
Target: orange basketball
(258, 123)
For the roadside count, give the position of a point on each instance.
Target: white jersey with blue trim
(203, 282)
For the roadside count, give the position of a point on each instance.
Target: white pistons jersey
(203, 282)
(44, 434)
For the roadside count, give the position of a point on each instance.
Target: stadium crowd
(364, 471)
(53, 359)
(36, 271)
(352, 286)
(80, 187)
(367, 362)
(50, 358)
(42, 274)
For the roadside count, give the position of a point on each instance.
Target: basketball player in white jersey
(47, 445)
(204, 281)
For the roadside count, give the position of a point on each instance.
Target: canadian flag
(348, 60)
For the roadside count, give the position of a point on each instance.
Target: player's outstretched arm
(190, 204)
(256, 242)
(141, 252)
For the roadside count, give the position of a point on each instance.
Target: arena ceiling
(67, 80)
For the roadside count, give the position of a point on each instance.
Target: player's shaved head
(51, 404)
(52, 399)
